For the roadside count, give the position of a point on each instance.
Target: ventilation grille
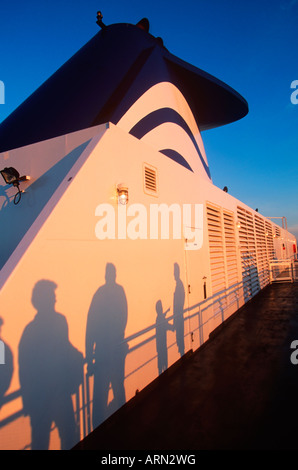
(269, 240)
(216, 249)
(230, 248)
(150, 180)
(277, 232)
(261, 251)
(223, 255)
(251, 283)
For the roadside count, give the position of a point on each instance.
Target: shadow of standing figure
(106, 349)
(6, 366)
(50, 371)
(162, 325)
(178, 307)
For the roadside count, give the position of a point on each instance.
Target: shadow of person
(105, 347)
(178, 306)
(50, 370)
(162, 325)
(6, 366)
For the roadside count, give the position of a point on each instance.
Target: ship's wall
(46, 163)
(68, 249)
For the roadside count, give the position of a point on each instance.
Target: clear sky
(250, 45)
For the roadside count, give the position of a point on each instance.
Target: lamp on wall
(12, 176)
(122, 192)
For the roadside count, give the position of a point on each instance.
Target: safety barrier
(283, 270)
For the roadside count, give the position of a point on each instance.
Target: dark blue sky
(252, 46)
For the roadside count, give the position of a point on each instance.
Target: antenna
(99, 18)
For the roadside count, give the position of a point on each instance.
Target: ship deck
(238, 391)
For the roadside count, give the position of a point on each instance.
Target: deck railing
(285, 270)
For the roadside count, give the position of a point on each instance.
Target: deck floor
(239, 391)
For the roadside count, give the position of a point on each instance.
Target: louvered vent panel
(216, 248)
(269, 240)
(150, 180)
(250, 276)
(230, 249)
(263, 266)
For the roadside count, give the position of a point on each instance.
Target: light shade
(10, 175)
(122, 192)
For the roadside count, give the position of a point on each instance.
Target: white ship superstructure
(99, 297)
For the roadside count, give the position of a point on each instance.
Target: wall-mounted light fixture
(238, 224)
(122, 192)
(12, 176)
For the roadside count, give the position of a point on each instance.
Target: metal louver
(150, 180)
(250, 276)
